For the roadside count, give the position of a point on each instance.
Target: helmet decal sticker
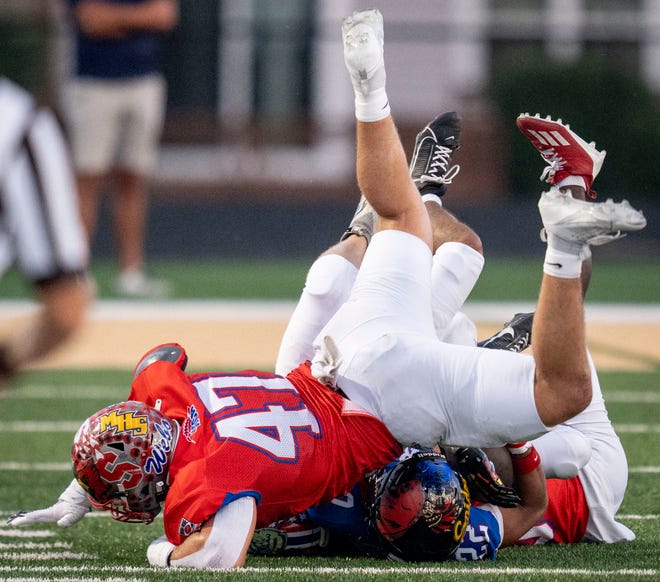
(191, 423)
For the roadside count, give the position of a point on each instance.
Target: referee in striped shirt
(40, 228)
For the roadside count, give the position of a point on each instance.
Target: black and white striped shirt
(40, 226)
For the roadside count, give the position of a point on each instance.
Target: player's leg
(562, 377)
(562, 381)
(331, 277)
(458, 259)
(144, 110)
(391, 294)
(432, 170)
(588, 446)
(381, 164)
(380, 334)
(130, 216)
(456, 267)
(93, 122)
(328, 285)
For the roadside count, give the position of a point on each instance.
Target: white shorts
(605, 477)
(116, 123)
(587, 446)
(383, 353)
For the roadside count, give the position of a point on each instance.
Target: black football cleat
(515, 336)
(430, 165)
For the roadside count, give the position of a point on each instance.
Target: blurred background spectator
(258, 136)
(115, 109)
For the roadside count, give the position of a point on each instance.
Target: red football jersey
(565, 520)
(291, 443)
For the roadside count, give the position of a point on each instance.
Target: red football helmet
(121, 456)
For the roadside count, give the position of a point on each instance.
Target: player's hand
(70, 508)
(159, 551)
(483, 481)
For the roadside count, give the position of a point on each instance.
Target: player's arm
(530, 484)
(62, 305)
(100, 19)
(222, 542)
(483, 481)
(71, 506)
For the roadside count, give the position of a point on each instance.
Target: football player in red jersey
(228, 453)
(381, 347)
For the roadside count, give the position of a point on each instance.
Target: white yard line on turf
(42, 556)
(366, 571)
(76, 579)
(36, 546)
(10, 532)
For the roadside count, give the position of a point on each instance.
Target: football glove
(159, 551)
(297, 535)
(70, 508)
(483, 481)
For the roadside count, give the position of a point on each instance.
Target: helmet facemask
(419, 507)
(121, 457)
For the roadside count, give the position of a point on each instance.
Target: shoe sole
(578, 220)
(549, 134)
(360, 61)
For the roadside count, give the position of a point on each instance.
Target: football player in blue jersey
(395, 511)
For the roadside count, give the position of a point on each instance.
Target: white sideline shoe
(362, 36)
(135, 284)
(574, 223)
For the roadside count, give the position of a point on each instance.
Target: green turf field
(502, 279)
(41, 411)
(38, 418)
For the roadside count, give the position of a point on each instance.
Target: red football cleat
(566, 152)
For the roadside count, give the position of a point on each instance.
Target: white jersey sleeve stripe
(57, 189)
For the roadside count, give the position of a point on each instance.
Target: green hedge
(610, 106)
(23, 52)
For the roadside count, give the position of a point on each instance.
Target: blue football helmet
(419, 506)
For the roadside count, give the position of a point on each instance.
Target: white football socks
(328, 285)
